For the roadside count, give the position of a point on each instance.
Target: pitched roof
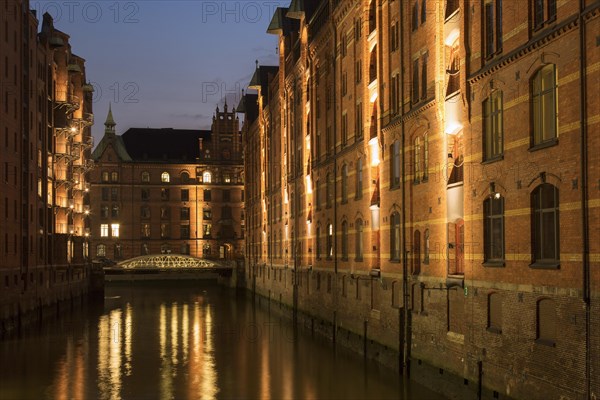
(167, 144)
(118, 145)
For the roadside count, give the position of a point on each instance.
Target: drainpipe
(335, 44)
(584, 196)
(406, 328)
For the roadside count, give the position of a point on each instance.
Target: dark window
(104, 212)
(493, 27)
(415, 16)
(345, 184)
(544, 105)
(359, 240)
(544, 11)
(105, 176)
(114, 194)
(145, 194)
(105, 194)
(145, 177)
(165, 213)
(415, 82)
(395, 236)
(493, 229)
(115, 211)
(318, 242)
(207, 214)
(329, 190)
(344, 240)
(359, 179)
(424, 76)
(226, 195)
(184, 232)
(493, 135)
(185, 214)
(145, 212)
(426, 247)
(207, 195)
(545, 225)
(395, 165)
(165, 230)
(114, 177)
(423, 11)
(185, 195)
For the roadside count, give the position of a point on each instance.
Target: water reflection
(184, 342)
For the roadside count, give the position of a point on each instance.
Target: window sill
(546, 342)
(395, 261)
(492, 160)
(394, 187)
(545, 265)
(497, 331)
(544, 145)
(494, 264)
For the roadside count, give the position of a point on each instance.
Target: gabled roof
(249, 106)
(118, 145)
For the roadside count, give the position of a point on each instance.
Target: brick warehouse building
(169, 191)
(423, 185)
(45, 119)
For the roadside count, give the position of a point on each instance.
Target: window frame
(493, 126)
(538, 96)
(489, 242)
(537, 222)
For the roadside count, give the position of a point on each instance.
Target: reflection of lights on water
(128, 339)
(109, 355)
(174, 336)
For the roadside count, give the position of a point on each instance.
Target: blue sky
(166, 63)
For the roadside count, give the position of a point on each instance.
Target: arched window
(495, 313)
(546, 322)
(544, 105)
(545, 225)
(206, 177)
(345, 184)
(493, 229)
(165, 177)
(359, 178)
(395, 236)
(359, 240)
(492, 127)
(344, 240)
(185, 177)
(145, 177)
(101, 250)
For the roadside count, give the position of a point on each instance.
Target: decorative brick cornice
(534, 44)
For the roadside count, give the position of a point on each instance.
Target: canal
(185, 340)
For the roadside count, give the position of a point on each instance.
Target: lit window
(543, 104)
(145, 177)
(104, 230)
(492, 126)
(165, 177)
(206, 177)
(329, 241)
(101, 250)
(115, 230)
(114, 177)
(105, 176)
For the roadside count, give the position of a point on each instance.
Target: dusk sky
(166, 63)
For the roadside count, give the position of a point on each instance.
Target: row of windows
(329, 190)
(543, 114)
(165, 177)
(544, 227)
(165, 248)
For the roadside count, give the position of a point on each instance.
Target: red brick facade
(420, 178)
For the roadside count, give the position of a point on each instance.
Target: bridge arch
(171, 261)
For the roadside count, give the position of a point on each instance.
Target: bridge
(168, 266)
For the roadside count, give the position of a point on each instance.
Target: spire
(109, 124)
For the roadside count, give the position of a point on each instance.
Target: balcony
(67, 102)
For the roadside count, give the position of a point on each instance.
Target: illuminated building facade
(45, 119)
(169, 191)
(423, 175)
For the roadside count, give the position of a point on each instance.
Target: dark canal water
(185, 341)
